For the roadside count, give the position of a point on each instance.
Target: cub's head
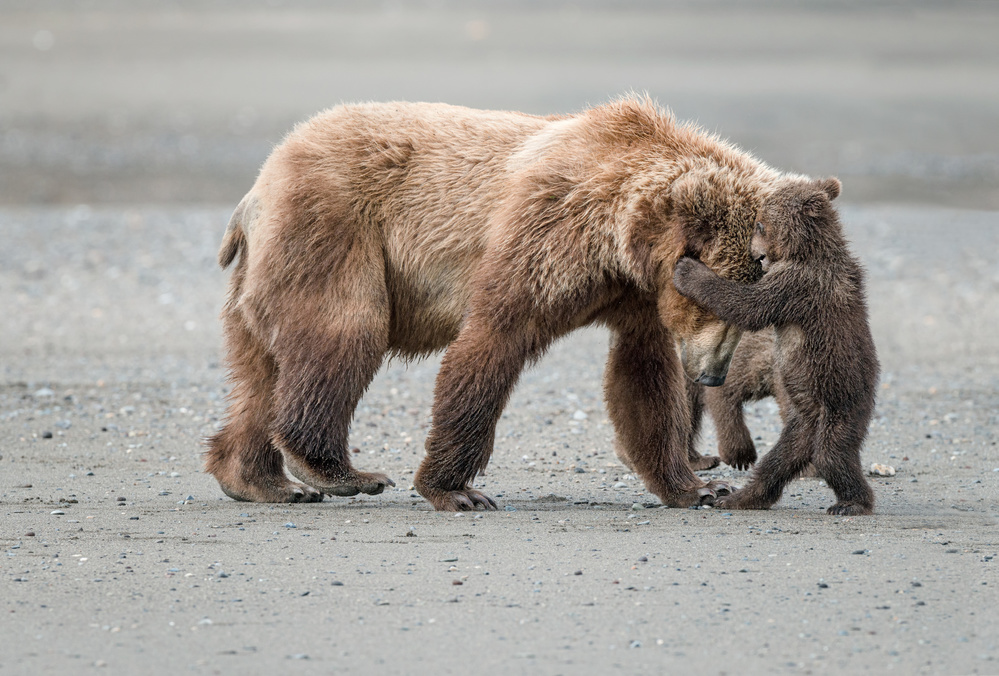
(794, 222)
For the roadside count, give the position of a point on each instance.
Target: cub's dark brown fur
(404, 229)
(812, 293)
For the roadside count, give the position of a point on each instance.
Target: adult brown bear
(408, 228)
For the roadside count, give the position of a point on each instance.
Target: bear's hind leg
(322, 376)
(241, 456)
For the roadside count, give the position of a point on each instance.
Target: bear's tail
(234, 239)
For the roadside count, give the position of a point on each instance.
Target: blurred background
(139, 102)
(130, 129)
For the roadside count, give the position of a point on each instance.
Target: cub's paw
(850, 509)
(467, 500)
(686, 274)
(703, 462)
(740, 458)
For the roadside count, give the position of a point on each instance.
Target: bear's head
(795, 222)
(711, 212)
(737, 226)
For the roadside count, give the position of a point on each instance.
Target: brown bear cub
(404, 229)
(812, 293)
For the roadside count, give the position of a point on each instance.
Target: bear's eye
(759, 227)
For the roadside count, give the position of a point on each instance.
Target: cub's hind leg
(241, 456)
(785, 461)
(837, 460)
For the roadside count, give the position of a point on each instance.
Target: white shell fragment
(878, 469)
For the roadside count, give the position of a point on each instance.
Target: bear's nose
(710, 381)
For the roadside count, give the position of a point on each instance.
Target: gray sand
(120, 160)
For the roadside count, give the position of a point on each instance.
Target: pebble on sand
(878, 469)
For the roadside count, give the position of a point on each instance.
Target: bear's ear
(831, 186)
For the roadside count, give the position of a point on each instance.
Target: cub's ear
(818, 197)
(831, 186)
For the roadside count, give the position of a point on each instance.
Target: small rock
(122, 498)
(44, 392)
(878, 469)
(620, 484)
(578, 572)
(30, 534)
(509, 508)
(57, 512)
(449, 558)
(46, 435)
(635, 506)
(579, 415)
(823, 585)
(336, 583)
(643, 559)
(859, 551)
(457, 583)
(290, 525)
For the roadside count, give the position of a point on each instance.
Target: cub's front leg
(749, 306)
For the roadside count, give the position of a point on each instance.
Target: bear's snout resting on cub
(405, 229)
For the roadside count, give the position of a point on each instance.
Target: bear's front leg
(647, 402)
(477, 374)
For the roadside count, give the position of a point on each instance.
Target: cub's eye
(759, 227)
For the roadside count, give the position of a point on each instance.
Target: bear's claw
(468, 500)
